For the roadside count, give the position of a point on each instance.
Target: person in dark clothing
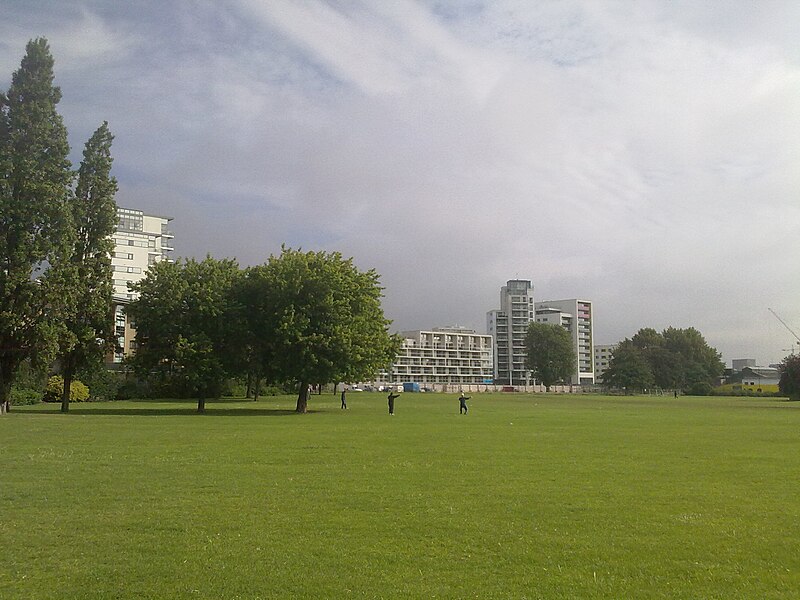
(391, 398)
(462, 404)
(344, 398)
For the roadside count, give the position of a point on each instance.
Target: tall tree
(185, 326)
(551, 355)
(94, 212)
(789, 383)
(320, 321)
(677, 358)
(254, 327)
(35, 222)
(701, 361)
(629, 370)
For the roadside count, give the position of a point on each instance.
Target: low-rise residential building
(444, 355)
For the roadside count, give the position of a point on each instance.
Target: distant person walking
(344, 398)
(462, 404)
(391, 398)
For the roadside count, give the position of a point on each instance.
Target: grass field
(531, 496)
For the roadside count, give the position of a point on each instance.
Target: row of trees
(672, 359)
(301, 318)
(55, 228)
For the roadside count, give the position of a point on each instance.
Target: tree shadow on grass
(209, 412)
(150, 411)
(209, 401)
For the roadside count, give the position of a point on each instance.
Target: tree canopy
(319, 320)
(551, 355)
(185, 326)
(672, 359)
(302, 318)
(789, 383)
(629, 370)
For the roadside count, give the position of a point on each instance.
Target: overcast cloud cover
(642, 155)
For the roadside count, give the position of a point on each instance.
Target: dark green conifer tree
(35, 222)
(89, 332)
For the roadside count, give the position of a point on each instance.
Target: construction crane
(797, 337)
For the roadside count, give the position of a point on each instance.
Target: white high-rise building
(443, 355)
(509, 326)
(576, 317)
(140, 241)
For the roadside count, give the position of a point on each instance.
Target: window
(131, 222)
(124, 269)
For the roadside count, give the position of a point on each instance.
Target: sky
(642, 155)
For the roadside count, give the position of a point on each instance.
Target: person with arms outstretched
(462, 404)
(391, 398)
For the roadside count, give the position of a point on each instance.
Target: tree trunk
(201, 405)
(7, 368)
(5, 396)
(335, 386)
(302, 398)
(67, 387)
(249, 386)
(256, 387)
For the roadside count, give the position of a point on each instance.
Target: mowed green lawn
(528, 496)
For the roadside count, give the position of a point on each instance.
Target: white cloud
(640, 155)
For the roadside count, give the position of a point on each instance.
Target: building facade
(740, 363)
(761, 376)
(445, 355)
(602, 359)
(576, 317)
(508, 327)
(140, 241)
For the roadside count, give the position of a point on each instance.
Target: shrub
(700, 388)
(78, 392)
(30, 377)
(274, 390)
(236, 388)
(132, 389)
(22, 396)
(102, 382)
